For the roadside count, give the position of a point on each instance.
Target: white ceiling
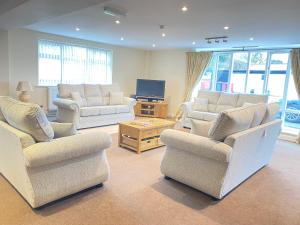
(272, 23)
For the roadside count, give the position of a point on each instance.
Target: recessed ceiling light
(153, 45)
(193, 42)
(77, 29)
(226, 28)
(184, 8)
(122, 39)
(118, 22)
(163, 34)
(251, 39)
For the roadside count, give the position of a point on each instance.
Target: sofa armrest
(66, 104)
(61, 149)
(200, 146)
(186, 107)
(131, 102)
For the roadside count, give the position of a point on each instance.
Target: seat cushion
(207, 116)
(231, 121)
(29, 118)
(103, 110)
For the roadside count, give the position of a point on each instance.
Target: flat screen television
(150, 89)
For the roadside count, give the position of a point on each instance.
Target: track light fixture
(217, 39)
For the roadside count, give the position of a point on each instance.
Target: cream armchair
(231, 149)
(46, 171)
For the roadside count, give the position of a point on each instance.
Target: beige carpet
(137, 194)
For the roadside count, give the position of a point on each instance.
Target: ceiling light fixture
(153, 45)
(122, 39)
(163, 34)
(226, 28)
(117, 21)
(77, 29)
(184, 8)
(251, 39)
(193, 42)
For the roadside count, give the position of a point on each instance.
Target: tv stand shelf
(151, 109)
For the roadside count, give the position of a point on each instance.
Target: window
(70, 64)
(256, 72)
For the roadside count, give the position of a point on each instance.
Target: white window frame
(75, 45)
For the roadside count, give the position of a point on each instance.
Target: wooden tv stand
(151, 109)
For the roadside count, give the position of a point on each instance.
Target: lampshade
(24, 86)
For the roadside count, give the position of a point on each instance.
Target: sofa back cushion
(212, 96)
(271, 112)
(200, 104)
(93, 95)
(106, 90)
(226, 101)
(231, 121)
(65, 90)
(27, 117)
(251, 98)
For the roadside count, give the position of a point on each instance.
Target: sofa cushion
(259, 114)
(63, 129)
(271, 112)
(91, 90)
(200, 104)
(228, 99)
(65, 90)
(29, 118)
(116, 98)
(1, 114)
(122, 108)
(103, 110)
(76, 97)
(251, 98)
(220, 108)
(231, 121)
(200, 127)
(25, 139)
(207, 116)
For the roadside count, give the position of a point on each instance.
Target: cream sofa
(49, 170)
(215, 103)
(231, 149)
(98, 105)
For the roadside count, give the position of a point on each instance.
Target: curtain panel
(196, 65)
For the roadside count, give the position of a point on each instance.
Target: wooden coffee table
(144, 134)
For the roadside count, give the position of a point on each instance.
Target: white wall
(128, 63)
(169, 65)
(4, 68)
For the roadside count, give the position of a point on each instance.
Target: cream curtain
(296, 73)
(196, 64)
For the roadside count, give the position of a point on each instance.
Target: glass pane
(224, 62)
(257, 71)
(277, 76)
(239, 72)
(292, 113)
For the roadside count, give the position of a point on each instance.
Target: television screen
(150, 88)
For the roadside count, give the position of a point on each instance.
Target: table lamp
(24, 87)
